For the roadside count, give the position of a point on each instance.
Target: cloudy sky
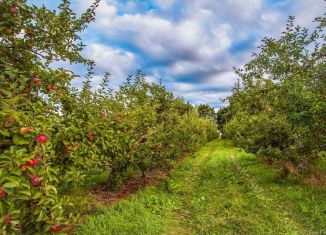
(190, 45)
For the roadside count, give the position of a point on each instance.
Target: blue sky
(190, 45)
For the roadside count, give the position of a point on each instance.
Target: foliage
(206, 111)
(274, 132)
(31, 38)
(223, 116)
(279, 102)
(53, 135)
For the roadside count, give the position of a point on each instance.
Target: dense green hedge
(278, 106)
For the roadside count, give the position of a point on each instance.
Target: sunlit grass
(221, 190)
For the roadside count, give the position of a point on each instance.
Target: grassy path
(220, 190)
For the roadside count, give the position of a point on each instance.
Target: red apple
(7, 218)
(29, 45)
(2, 192)
(8, 30)
(68, 149)
(55, 229)
(32, 162)
(29, 33)
(36, 81)
(90, 136)
(42, 139)
(13, 10)
(119, 116)
(25, 130)
(51, 87)
(10, 121)
(36, 180)
(102, 114)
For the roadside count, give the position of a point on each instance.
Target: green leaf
(10, 185)
(5, 133)
(41, 216)
(22, 197)
(25, 192)
(14, 179)
(37, 195)
(18, 140)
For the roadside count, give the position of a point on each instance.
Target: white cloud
(118, 62)
(183, 87)
(183, 67)
(271, 17)
(236, 10)
(211, 98)
(151, 79)
(306, 10)
(224, 80)
(162, 38)
(244, 10)
(189, 38)
(218, 82)
(164, 4)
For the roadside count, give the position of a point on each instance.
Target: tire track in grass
(232, 204)
(179, 224)
(221, 190)
(281, 215)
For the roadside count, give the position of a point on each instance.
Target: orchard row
(52, 134)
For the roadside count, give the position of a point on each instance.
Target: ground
(219, 190)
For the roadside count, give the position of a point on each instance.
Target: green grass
(221, 190)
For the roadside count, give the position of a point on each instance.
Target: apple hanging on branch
(32, 162)
(7, 219)
(10, 121)
(102, 114)
(2, 193)
(13, 10)
(25, 130)
(68, 149)
(55, 229)
(29, 33)
(42, 139)
(90, 136)
(36, 81)
(51, 87)
(36, 180)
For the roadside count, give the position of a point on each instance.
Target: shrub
(279, 101)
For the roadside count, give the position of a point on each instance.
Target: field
(219, 190)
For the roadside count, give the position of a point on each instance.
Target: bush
(259, 133)
(279, 102)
